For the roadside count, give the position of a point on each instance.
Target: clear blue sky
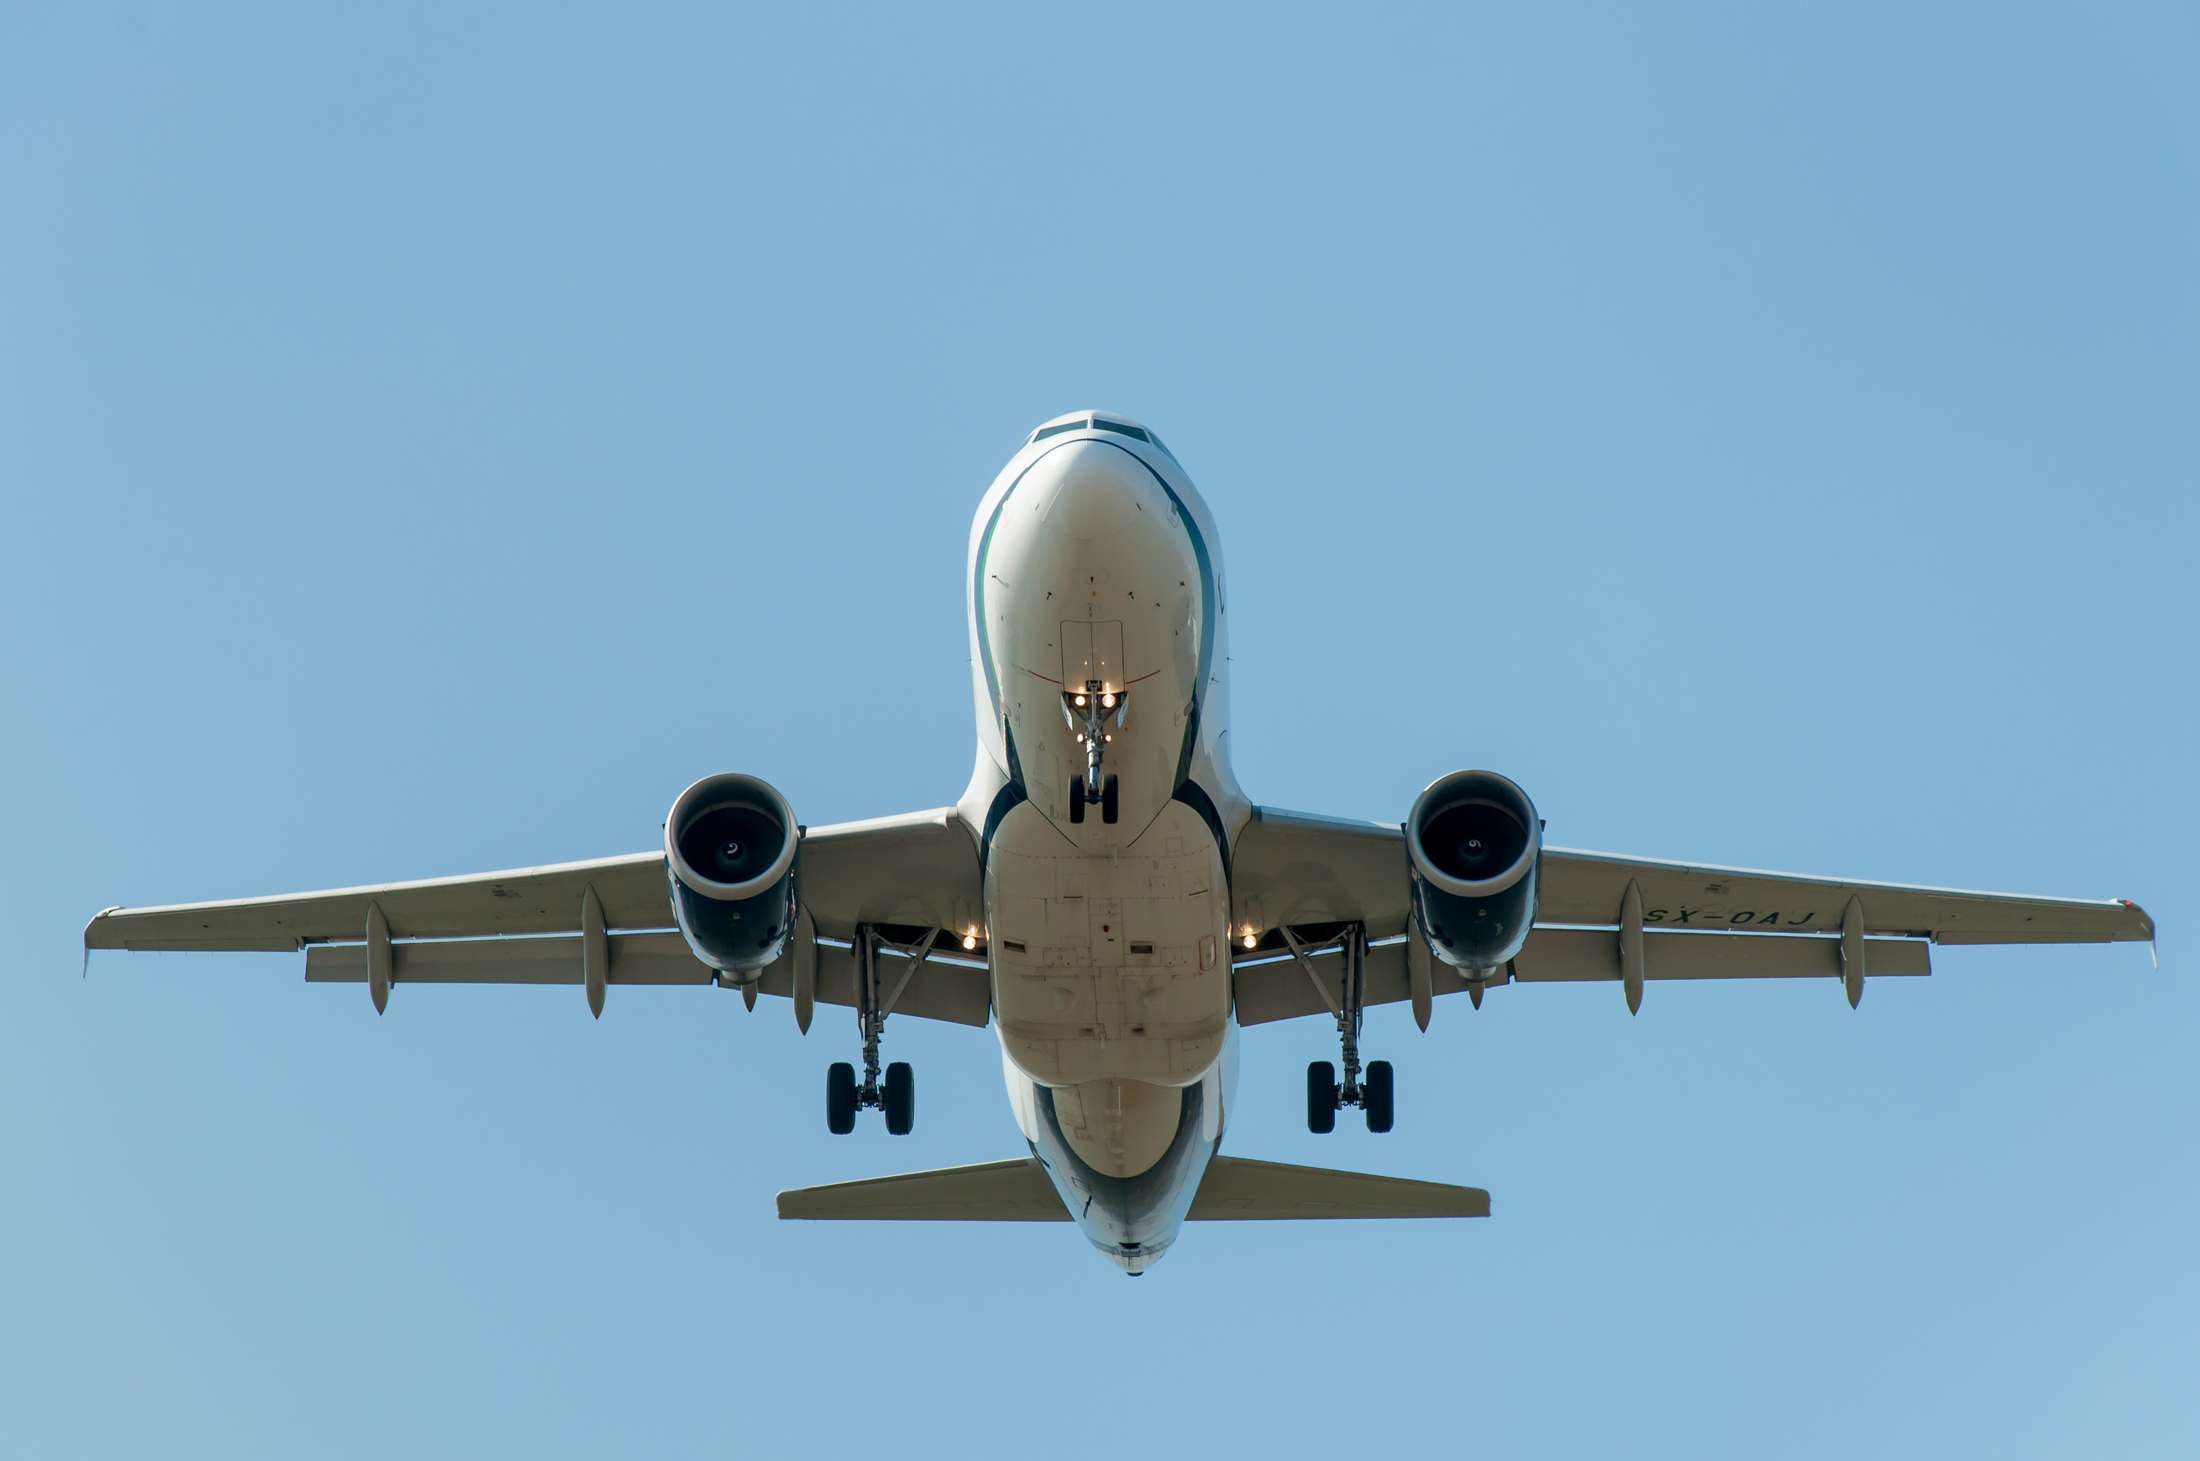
(429, 440)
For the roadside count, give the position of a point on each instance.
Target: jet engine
(1476, 846)
(730, 842)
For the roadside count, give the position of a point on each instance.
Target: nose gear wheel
(1091, 712)
(1080, 798)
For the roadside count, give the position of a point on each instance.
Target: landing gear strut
(896, 1095)
(1089, 712)
(1347, 1000)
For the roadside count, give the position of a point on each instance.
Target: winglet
(88, 927)
(2147, 919)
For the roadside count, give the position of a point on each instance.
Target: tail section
(1234, 1189)
(1242, 1190)
(990, 1192)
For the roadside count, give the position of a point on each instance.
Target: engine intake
(730, 844)
(1476, 846)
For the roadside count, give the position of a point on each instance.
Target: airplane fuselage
(1097, 609)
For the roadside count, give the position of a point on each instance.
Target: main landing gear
(1089, 712)
(1346, 997)
(896, 1094)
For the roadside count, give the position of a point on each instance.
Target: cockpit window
(1057, 429)
(1118, 427)
(1157, 441)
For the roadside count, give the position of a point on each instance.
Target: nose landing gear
(1081, 797)
(1089, 712)
(1346, 998)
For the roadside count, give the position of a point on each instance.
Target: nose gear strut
(1089, 712)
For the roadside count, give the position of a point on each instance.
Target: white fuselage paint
(1092, 558)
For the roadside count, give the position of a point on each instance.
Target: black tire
(840, 1098)
(1077, 799)
(1108, 802)
(1381, 1096)
(901, 1098)
(1321, 1098)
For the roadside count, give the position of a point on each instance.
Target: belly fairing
(1113, 966)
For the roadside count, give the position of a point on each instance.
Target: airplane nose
(1094, 490)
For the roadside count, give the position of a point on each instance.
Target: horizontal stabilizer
(1235, 1189)
(990, 1192)
(1243, 1190)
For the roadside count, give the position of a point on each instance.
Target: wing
(523, 926)
(1699, 921)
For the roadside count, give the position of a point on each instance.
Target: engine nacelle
(1476, 846)
(730, 845)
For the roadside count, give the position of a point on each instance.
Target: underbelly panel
(1109, 965)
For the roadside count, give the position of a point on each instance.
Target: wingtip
(91, 924)
(2146, 922)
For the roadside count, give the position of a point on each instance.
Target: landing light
(1080, 700)
(1107, 702)
(1251, 938)
(970, 940)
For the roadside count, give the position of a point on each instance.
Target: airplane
(1107, 897)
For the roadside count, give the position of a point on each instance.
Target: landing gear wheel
(900, 1098)
(1108, 801)
(840, 1098)
(1077, 799)
(1321, 1098)
(1377, 1095)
